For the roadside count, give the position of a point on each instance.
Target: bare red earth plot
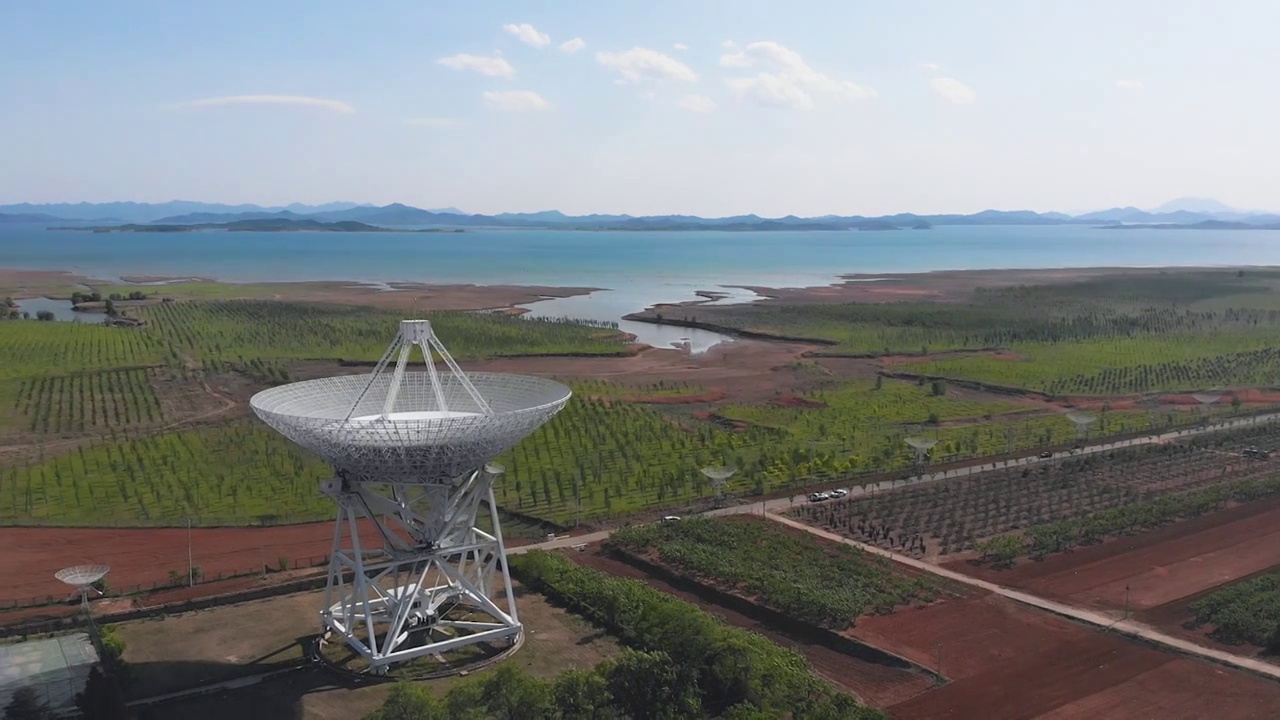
(1159, 567)
(144, 556)
(1005, 661)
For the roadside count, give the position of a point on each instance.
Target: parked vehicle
(1046, 454)
(671, 519)
(838, 493)
(818, 497)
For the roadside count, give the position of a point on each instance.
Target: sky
(804, 107)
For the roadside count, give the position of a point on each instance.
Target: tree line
(680, 663)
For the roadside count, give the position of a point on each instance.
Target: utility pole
(1126, 602)
(940, 676)
(191, 573)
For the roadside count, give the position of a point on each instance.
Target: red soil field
(1176, 618)
(143, 556)
(1007, 661)
(1159, 567)
(876, 684)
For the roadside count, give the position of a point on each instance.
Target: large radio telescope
(82, 578)
(411, 451)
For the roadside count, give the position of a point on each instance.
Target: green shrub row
(730, 667)
(1042, 540)
(828, 586)
(1245, 612)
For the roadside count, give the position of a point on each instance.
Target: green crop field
(233, 473)
(40, 349)
(826, 584)
(72, 403)
(1244, 612)
(1015, 511)
(244, 330)
(1112, 366)
(848, 408)
(1108, 335)
(598, 458)
(121, 403)
(1109, 306)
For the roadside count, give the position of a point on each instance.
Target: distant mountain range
(273, 224)
(1185, 211)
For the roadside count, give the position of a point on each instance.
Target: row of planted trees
(732, 672)
(825, 586)
(997, 317)
(73, 403)
(1041, 540)
(247, 329)
(1244, 612)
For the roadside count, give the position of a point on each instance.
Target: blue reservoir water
(638, 268)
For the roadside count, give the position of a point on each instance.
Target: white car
(838, 493)
(818, 497)
(671, 519)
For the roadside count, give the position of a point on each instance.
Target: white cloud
(649, 95)
(495, 66)
(729, 45)
(680, 46)
(572, 46)
(516, 101)
(786, 80)
(697, 103)
(528, 34)
(296, 100)
(930, 67)
(639, 63)
(1129, 84)
(432, 122)
(953, 91)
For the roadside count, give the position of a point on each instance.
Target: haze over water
(639, 268)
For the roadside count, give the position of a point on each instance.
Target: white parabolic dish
(344, 421)
(82, 575)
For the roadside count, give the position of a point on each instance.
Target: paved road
(562, 541)
(977, 468)
(1102, 620)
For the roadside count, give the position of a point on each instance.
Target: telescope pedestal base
(391, 604)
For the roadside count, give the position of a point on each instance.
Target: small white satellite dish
(718, 475)
(82, 578)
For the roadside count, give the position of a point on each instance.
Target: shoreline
(927, 286)
(939, 285)
(23, 284)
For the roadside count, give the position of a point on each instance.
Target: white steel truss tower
(411, 573)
